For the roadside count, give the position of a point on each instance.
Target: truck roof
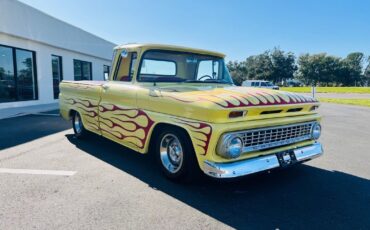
(148, 46)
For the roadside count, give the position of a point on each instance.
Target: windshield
(170, 66)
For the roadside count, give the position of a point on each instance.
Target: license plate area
(286, 158)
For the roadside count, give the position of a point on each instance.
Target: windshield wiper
(165, 79)
(217, 81)
(192, 81)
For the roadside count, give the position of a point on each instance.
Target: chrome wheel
(77, 123)
(171, 153)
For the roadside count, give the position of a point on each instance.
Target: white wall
(43, 67)
(21, 20)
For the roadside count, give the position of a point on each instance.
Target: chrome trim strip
(236, 169)
(258, 164)
(309, 152)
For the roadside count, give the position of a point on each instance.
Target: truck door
(118, 110)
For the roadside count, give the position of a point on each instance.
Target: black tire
(189, 167)
(79, 129)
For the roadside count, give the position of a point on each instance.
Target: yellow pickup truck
(181, 105)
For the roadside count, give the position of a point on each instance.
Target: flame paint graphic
(88, 109)
(247, 98)
(200, 132)
(126, 124)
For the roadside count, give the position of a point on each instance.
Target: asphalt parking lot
(97, 184)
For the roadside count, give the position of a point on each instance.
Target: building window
(57, 71)
(18, 81)
(106, 71)
(82, 70)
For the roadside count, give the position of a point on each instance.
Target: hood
(214, 103)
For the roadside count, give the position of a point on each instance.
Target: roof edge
(67, 23)
(168, 47)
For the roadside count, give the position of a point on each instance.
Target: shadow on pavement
(302, 197)
(19, 130)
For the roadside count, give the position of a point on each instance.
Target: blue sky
(236, 28)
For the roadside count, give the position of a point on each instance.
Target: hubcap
(78, 123)
(171, 153)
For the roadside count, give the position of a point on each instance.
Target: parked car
(260, 84)
(181, 105)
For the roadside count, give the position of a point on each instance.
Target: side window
(263, 84)
(125, 67)
(207, 69)
(254, 83)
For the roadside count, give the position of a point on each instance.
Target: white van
(259, 84)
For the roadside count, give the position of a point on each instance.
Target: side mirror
(124, 53)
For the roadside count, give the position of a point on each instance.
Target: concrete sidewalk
(21, 111)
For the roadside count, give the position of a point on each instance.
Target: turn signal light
(236, 114)
(313, 108)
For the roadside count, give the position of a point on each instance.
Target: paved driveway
(96, 184)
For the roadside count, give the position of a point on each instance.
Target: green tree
(367, 73)
(318, 68)
(260, 67)
(238, 71)
(351, 69)
(275, 65)
(283, 64)
(322, 69)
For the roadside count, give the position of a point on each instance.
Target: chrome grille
(259, 139)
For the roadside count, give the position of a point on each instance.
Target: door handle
(105, 86)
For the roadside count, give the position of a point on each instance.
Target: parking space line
(38, 172)
(45, 114)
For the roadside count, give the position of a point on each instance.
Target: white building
(37, 51)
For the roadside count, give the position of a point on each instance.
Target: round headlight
(234, 148)
(230, 146)
(316, 131)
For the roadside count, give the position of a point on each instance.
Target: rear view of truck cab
(181, 105)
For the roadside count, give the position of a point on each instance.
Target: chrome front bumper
(258, 164)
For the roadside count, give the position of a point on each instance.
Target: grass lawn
(360, 102)
(328, 89)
